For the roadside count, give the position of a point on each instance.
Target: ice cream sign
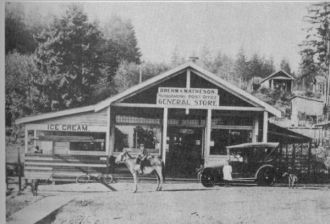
(187, 97)
(67, 127)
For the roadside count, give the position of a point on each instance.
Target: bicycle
(90, 178)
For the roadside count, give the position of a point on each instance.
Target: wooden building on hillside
(279, 80)
(186, 115)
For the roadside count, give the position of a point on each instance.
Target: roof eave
(56, 114)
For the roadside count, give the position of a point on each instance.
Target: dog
(292, 179)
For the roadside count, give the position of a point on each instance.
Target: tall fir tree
(314, 49)
(71, 58)
(121, 32)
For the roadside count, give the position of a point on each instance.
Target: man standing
(227, 170)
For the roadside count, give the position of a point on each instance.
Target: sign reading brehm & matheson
(187, 97)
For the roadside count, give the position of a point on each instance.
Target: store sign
(67, 127)
(187, 97)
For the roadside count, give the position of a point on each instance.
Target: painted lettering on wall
(187, 97)
(67, 127)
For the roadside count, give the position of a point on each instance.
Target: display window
(132, 136)
(63, 142)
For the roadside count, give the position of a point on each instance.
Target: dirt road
(191, 203)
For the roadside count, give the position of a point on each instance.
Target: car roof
(255, 145)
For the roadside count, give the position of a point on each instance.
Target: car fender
(262, 167)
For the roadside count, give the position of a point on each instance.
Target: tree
(72, 57)
(241, 65)
(314, 49)
(121, 32)
(18, 35)
(315, 46)
(19, 90)
(128, 73)
(285, 66)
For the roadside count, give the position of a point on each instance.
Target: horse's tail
(163, 171)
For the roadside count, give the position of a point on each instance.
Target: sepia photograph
(166, 112)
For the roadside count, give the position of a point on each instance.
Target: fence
(304, 162)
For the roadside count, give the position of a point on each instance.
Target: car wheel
(207, 179)
(266, 177)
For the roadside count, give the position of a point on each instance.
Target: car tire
(207, 179)
(266, 177)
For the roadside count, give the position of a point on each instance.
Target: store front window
(62, 142)
(220, 138)
(131, 136)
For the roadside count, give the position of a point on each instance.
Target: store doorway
(185, 151)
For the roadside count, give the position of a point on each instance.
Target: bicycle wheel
(106, 178)
(83, 179)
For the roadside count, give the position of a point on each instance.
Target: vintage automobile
(251, 162)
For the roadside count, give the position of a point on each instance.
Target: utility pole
(328, 66)
(140, 72)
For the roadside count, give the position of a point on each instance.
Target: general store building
(186, 115)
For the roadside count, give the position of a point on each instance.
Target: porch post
(165, 116)
(107, 134)
(112, 122)
(26, 138)
(35, 137)
(265, 127)
(255, 131)
(208, 133)
(188, 86)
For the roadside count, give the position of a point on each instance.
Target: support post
(208, 133)
(165, 116)
(293, 157)
(26, 139)
(265, 127)
(19, 167)
(35, 137)
(107, 137)
(255, 131)
(188, 86)
(309, 158)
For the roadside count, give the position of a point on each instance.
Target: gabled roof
(154, 81)
(307, 98)
(54, 114)
(201, 72)
(290, 77)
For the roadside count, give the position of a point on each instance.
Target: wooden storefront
(187, 116)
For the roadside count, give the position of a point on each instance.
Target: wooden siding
(149, 96)
(90, 118)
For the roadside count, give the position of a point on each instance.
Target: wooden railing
(39, 166)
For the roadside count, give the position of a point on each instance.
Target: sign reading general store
(187, 97)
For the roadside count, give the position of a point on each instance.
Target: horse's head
(121, 158)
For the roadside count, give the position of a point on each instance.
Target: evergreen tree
(285, 66)
(18, 35)
(121, 32)
(241, 66)
(128, 73)
(314, 53)
(19, 90)
(71, 58)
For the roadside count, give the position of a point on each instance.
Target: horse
(155, 165)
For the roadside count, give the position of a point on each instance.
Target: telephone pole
(328, 65)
